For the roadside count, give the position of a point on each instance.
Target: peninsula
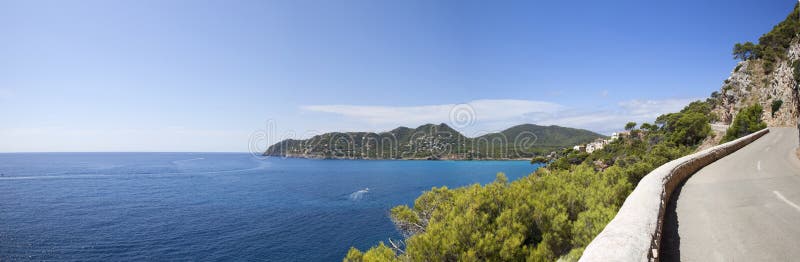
(434, 142)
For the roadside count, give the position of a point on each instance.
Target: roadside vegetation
(746, 122)
(553, 213)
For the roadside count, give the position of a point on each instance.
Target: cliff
(768, 75)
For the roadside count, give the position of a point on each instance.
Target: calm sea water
(210, 206)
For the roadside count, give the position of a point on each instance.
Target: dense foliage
(744, 51)
(776, 105)
(545, 138)
(747, 121)
(553, 213)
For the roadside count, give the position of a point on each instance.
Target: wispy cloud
(654, 108)
(613, 119)
(497, 114)
(482, 110)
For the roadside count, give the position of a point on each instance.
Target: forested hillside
(435, 142)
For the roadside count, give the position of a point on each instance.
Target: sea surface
(211, 206)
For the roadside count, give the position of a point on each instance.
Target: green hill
(548, 138)
(431, 141)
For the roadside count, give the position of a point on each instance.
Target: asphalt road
(744, 207)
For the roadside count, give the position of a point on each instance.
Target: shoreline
(400, 159)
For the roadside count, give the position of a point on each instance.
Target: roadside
(717, 132)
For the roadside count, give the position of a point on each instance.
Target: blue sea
(211, 206)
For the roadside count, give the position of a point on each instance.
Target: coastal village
(599, 143)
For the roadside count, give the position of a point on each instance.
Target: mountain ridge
(432, 142)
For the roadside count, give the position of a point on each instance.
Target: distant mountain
(548, 138)
(434, 142)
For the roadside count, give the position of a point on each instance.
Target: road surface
(744, 207)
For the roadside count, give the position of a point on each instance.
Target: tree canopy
(744, 51)
(746, 122)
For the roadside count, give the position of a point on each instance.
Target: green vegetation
(776, 105)
(378, 253)
(553, 213)
(746, 122)
(688, 127)
(771, 46)
(744, 51)
(435, 142)
(547, 139)
(630, 125)
(540, 160)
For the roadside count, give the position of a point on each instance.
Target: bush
(539, 160)
(746, 122)
(776, 105)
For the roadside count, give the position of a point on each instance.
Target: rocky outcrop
(749, 83)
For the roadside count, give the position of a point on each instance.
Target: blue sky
(211, 75)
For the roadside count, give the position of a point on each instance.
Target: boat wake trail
(358, 195)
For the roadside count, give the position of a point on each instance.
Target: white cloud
(494, 115)
(654, 108)
(477, 110)
(610, 120)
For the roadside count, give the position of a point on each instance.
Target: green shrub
(746, 122)
(539, 160)
(776, 105)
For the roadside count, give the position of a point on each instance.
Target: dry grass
(712, 140)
